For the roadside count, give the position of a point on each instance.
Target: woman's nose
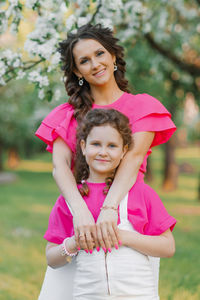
(95, 63)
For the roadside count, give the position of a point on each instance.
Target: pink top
(145, 113)
(146, 212)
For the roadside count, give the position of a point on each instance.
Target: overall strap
(123, 207)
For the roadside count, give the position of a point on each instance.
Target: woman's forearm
(127, 171)
(160, 246)
(124, 179)
(64, 177)
(66, 182)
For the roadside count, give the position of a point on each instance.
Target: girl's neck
(106, 94)
(98, 178)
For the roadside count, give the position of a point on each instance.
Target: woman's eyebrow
(84, 57)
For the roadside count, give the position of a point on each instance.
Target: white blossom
(30, 3)
(20, 74)
(41, 94)
(57, 95)
(36, 77)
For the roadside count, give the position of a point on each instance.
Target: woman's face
(93, 62)
(103, 151)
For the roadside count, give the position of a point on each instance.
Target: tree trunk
(1, 157)
(170, 168)
(149, 174)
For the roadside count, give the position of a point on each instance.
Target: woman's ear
(113, 58)
(82, 144)
(76, 72)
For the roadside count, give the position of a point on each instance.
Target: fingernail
(120, 242)
(97, 249)
(104, 249)
(109, 250)
(116, 246)
(90, 251)
(78, 248)
(86, 251)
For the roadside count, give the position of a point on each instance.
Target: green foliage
(24, 210)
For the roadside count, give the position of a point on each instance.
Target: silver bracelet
(65, 251)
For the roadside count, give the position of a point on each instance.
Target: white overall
(122, 274)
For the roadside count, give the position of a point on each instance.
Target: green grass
(24, 210)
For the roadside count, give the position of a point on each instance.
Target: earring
(80, 81)
(115, 67)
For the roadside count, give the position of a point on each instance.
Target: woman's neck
(106, 94)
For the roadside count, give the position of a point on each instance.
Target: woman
(94, 69)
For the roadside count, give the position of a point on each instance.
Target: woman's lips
(100, 73)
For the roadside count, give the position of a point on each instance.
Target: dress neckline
(110, 104)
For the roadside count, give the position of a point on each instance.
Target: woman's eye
(83, 61)
(100, 53)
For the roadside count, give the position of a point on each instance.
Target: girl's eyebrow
(84, 57)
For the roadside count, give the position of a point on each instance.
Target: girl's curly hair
(98, 117)
(80, 96)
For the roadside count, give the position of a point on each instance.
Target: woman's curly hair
(80, 96)
(94, 118)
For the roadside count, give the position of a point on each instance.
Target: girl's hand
(107, 231)
(85, 230)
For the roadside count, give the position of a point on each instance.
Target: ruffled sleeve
(148, 114)
(59, 122)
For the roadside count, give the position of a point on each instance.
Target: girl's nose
(103, 151)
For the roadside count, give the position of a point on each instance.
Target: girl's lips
(102, 160)
(100, 73)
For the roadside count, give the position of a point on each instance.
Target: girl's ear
(125, 149)
(82, 144)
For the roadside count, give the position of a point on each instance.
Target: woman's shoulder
(59, 113)
(143, 100)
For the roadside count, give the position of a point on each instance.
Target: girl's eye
(95, 144)
(112, 146)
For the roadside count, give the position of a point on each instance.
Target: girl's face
(103, 151)
(93, 62)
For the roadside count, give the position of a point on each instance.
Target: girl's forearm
(54, 253)
(54, 257)
(160, 246)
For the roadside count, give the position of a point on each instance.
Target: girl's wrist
(69, 247)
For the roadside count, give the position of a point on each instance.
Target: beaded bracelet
(108, 207)
(65, 251)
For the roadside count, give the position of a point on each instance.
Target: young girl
(144, 226)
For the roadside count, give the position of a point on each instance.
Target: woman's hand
(107, 231)
(85, 230)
